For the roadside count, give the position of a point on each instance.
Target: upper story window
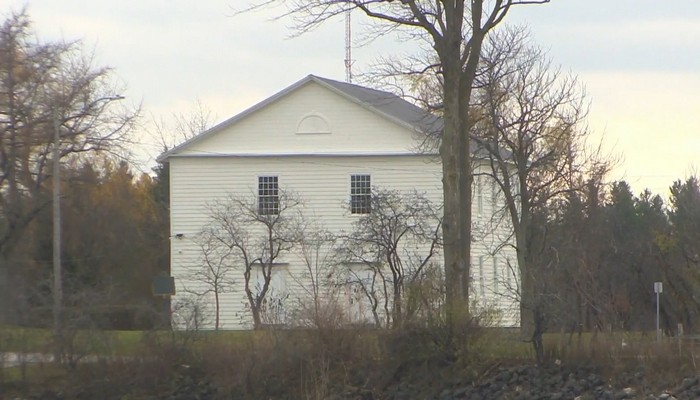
(268, 195)
(360, 194)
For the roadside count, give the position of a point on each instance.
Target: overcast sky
(639, 61)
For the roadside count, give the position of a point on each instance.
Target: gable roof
(385, 104)
(388, 104)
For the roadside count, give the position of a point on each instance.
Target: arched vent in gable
(313, 123)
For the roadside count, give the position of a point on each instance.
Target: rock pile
(523, 382)
(559, 383)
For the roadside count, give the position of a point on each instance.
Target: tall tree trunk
(532, 317)
(456, 256)
(257, 321)
(456, 162)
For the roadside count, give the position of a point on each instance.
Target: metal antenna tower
(348, 47)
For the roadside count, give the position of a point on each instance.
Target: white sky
(639, 60)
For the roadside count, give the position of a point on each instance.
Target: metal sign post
(658, 289)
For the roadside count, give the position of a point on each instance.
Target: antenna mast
(348, 47)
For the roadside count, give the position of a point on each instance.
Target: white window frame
(271, 207)
(361, 209)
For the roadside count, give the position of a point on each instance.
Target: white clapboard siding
(323, 183)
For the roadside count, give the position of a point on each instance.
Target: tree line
(606, 249)
(114, 243)
(55, 102)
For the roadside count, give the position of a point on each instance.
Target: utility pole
(56, 200)
(57, 273)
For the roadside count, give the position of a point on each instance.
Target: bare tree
(396, 243)
(44, 88)
(320, 304)
(42, 84)
(182, 126)
(213, 274)
(530, 130)
(366, 282)
(258, 234)
(190, 314)
(455, 31)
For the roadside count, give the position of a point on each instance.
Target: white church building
(331, 144)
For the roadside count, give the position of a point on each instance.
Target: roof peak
(385, 104)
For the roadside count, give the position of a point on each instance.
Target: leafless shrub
(258, 234)
(190, 314)
(389, 249)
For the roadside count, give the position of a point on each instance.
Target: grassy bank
(310, 364)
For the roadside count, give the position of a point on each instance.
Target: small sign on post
(163, 285)
(658, 289)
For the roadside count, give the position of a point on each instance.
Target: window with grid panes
(268, 195)
(360, 194)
